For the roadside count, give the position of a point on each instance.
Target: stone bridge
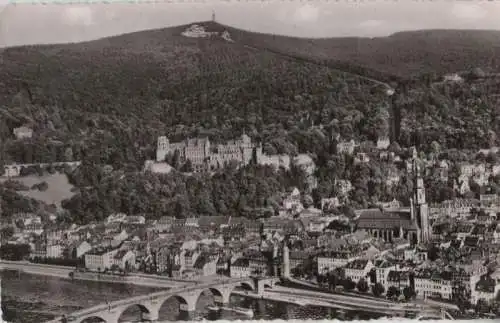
(150, 304)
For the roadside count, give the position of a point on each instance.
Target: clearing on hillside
(59, 188)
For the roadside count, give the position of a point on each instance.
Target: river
(30, 298)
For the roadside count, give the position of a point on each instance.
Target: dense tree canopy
(106, 102)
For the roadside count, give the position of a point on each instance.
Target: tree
(332, 280)
(15, 252)
(393, 292)
(482, 306)
(6, 233)
(320, 279)
(176, 159)
(378, 289)
(362, 285)
(307, 201)
(187, 167)
(433, 253)
(408, 293)
(348, 284)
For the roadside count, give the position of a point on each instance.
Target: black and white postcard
(189, 160)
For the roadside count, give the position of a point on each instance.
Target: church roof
(377, 219)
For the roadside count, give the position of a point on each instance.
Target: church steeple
(420, 209)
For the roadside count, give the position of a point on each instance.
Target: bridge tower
(275, 260)
(286, 261)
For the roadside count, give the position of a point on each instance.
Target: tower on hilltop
(420, 209)
(213, 15)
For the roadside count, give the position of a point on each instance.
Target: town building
(415, 254)
(358, 269)
(188, 259)
(278, 161)
(489, 200)
(346, 147)
(383, 143)
(433, 284)
(77, 249)
(23, 133)
(100, 259)
(240, 268)
(124, 259)
(206, 265)
(382, 268)
(331, 260)
(487, 288)
(397, 278)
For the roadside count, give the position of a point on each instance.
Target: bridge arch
(179, 298)
(185, 304)
(93, 319)
(220, 295)
(144, 311)
(247, 286)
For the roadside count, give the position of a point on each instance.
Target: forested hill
(399, 56)
(139, 85)
(105, 102)
(109, 99)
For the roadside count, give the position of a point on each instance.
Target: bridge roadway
(150, 304)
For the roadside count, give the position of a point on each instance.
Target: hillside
(107, 101)
(401, 55)
(104, 97)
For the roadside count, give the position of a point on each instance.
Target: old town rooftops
(397, 275)
(99, 251)
(241, 262)
(377, 219)
(434, 274)
(358, 264)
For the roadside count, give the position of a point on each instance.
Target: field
(59, 188)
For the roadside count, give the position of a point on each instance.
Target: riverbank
(64, 272)
(37, 269)
(140, 280)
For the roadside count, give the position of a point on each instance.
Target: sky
(22, 24)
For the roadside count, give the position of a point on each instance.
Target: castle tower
(420, 209)
(286, 261)
(162, 148)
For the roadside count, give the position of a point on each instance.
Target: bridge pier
(187, 315)
(150, 317)
(225, 296)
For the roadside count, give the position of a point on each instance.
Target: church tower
(420, 209)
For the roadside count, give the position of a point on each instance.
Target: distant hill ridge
(403, 54)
